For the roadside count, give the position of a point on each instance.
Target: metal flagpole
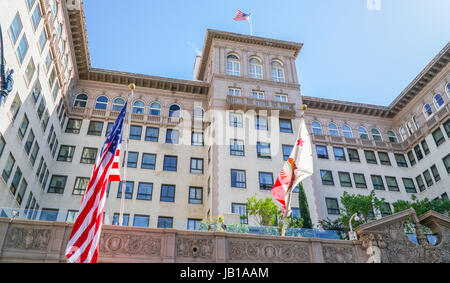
(132, 87)
(289, 191)
(251, 25)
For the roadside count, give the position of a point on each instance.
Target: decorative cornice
(241, 38)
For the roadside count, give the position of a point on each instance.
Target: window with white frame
(333, 129)
(363, 134)
(80, 100)
(233, 65)
(376, 135)
(403, 133)
(447, 90)
(255, 68)
(101, 103)
(347, 131)
(234, 91)
(155, 109)
(138, 107)
(281, 98)
(392, 136)
(118, 104)
(438, 101)
(174, 111)
(277, 71)
(427, 111)
(317, 128)
(409, 126)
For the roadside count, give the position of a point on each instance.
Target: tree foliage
(421, 206)
(304, 208)
(265, 210)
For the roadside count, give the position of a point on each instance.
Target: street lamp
(6, 83)
(352, 234)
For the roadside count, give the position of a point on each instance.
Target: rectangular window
(237, 147)
(322, 152)
(15, 28)
(360, 181)
(240, 209)
(370, 157)
(145, 191)
(261, 123)
(384, 158)
(193, 224)
(392, 184)
(234, 91)
(41, 108)
(418, 152)
(23, 127)
(446, 161)
(36, 16)
(339, 153)
(89, 155)
(29, 142)
(332, 206)
(353, 155)
(15, 107)
(438, 137)
(49, 214)
(345, 180)
(2, 144)
(135, 132)
(132, 159)
(236, 120)
(447, 128)
(34, 153)
(385, 209)
(57, 184)
(287, 150)
(109, 128)
(425, 147)
(42, 39)
(80, 186)
(420, 183)
(409, 185)
(435, 172)
(95, 128)
(412, 159)
(151, 134)
(29, 71)
(196, 166)
(167, 193)
(125, 219)
(165, 222)
(22, 190)
(66, 153)
(263, 150)
(265, 181)
(238, 178)
(401, 160)
(197, 139)
(285, 126)
(377, 182)
(172, 136)
(22, 48)
(148, 161)
(195, 195)
(428, 178)
(327, 177)
(16, 181)
(141, 220)
(170, 163)
(73, 126)
(128, 190)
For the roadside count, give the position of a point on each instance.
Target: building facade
(198, 149)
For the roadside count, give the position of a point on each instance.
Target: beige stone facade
(247, 89)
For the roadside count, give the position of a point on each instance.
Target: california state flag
(298, 167)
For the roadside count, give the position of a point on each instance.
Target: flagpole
(251, 26)
(289, 191)
(132, 87)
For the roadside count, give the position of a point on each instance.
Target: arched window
(403, 133)
(438, 101)
(277, 71)
(155, 109)
(80, 100)
(118, 104)
(174, 111)
(376, 135)
(363, 134)
(101, 103)
(410, 128)
(198, 114)
(392, 136)
(427, 111)
(138, 107)
(447, 90)
(316, 127)
(415, 122)
(255, 65)
(333, 129)
(233, 65)
(347, 131)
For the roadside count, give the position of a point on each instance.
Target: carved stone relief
(130, 244)
(338, 254)
(28, 239)
(197, 248)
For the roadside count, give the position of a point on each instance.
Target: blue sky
(350, 52)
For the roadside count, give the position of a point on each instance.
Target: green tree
(265, 210)
(304, 208)
(421, 206)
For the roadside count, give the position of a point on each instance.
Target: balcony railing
(245, 103)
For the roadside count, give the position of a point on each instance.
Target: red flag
(298, 167)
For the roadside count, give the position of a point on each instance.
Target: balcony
(247, 103)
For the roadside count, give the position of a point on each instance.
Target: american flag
(241, 16)
(83, 242)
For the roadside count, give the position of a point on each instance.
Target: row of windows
(438, 103)
(255, 68)
(359, 180)
(236, 120)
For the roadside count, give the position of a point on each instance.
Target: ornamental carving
(192, 247)
(339, 254)
(28, 239)
(268, 251)
(130, 244)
